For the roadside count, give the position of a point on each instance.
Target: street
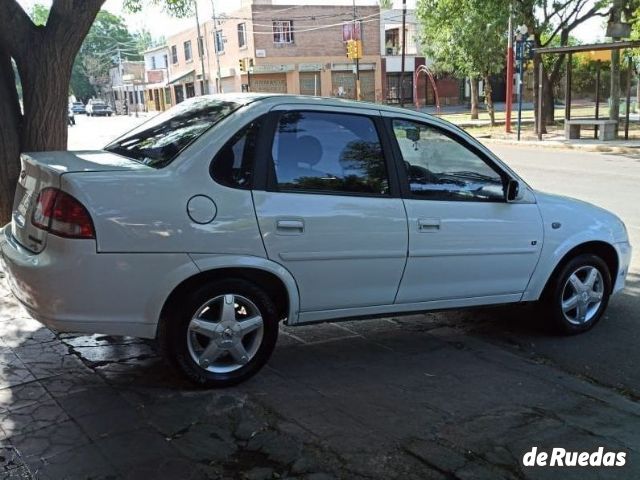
(450, 395)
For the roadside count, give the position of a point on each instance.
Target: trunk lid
(44, 169)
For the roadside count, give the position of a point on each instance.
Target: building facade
(127, 86)
(156, 80)
(296, 49)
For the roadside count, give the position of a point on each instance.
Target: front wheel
(578, 296)
(224, 334)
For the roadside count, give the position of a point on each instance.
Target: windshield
(159, 141)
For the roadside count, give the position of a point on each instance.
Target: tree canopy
(465, 37)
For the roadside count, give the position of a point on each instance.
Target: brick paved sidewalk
(392, 399)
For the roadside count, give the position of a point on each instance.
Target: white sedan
(214, 221)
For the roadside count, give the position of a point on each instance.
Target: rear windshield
(159, 141)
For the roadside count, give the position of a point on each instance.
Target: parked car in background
(98, 108)
(217, 219)
(78, 107)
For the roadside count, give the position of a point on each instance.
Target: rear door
(330, 212)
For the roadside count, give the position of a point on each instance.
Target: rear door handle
(290, 227)
(428, 224)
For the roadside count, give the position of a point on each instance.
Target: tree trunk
(45, 91)
(44, 57)
(548, 100)
(536, 90)
(475, 94)
(10, 118)
(488, 100)
(614, 111)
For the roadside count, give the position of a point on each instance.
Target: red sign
(351, 31)
(155, 76)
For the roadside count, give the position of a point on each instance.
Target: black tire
(557, 291)
(175, 334)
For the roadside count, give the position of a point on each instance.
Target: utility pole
(205, 87)
(404, 46)
(215, 47)
(353, 33)
(509, 82)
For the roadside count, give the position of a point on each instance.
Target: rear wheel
(225, 333)
(578, 296)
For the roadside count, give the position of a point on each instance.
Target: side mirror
(413, 134)
(512, 190)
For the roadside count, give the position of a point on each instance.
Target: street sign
(525, 50)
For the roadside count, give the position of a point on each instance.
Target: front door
(328, 214)
(465, 240)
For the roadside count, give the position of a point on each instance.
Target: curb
(559, 145)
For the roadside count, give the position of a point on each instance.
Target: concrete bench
(607, 129)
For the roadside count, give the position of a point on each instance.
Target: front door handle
(290, 227)
(428, 224)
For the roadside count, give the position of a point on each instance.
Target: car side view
(211, 223)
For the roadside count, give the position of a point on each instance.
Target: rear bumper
(71, 288)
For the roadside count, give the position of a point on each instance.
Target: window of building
(187, 51)
(282, 31)
(153, 63)
(190, 89)
(242, 35)
(219, 41)
(166, 61)
(174, 54)
(200, 47)
(392, 41)
(438, 167)
(319, 152)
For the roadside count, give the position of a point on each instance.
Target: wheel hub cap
(582, 295)
(225, 333)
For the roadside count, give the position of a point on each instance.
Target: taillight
(59, 213)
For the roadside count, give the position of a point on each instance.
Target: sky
(160, 24)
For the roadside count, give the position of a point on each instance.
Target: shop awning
(185, 77)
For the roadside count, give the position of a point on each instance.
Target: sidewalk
(557, 141)
(408, 399)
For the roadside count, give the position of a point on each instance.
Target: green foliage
(39, 15)
(99, 52)
(80, 85)
(464, 37)
(177, 8)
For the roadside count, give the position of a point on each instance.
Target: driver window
(440, 168)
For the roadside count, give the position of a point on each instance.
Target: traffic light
(250, 62)
(351, 49)
(354, 49)
(243, 64)
(358, 52)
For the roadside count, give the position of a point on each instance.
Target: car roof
(276, 99)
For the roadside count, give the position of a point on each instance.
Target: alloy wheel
(582, 295)
(225, 333)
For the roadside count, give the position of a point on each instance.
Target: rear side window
(320, 152)
(159, 141)
(233, 165)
